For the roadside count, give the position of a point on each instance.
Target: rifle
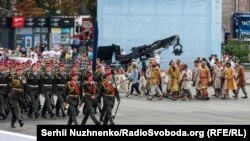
(116, 110)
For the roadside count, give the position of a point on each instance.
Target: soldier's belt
(108, 95)
(3, 84)
(17, 89)
(89, 94)
(75, 96)
(47, 85)
(33, 86)
(61, 85)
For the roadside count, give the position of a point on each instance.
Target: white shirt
(57, 54)
(45, 54)
(34, 54)
(187, 84)
(52, 54)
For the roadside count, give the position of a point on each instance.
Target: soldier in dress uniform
(61, 79)
(48, 90)
(86, 72)
(74, 98)
(34, 85)
(4, 89)
(75, 70)
(17, 86)
(90, 91)
(99, 77)
(84, 78)
(109, 92)
(25, 99)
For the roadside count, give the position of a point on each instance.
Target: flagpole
(95, 46)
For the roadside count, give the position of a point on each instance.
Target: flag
(95, 46)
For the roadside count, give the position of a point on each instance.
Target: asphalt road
(138, 110)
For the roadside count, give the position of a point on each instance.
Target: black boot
(7, 112)
(83, 123)
(98, 123)
(37, 115)
(44, 116)
(21, 123)
(63, 115)
(52, 115)
(12, 125)
(30, 116)
(244, 96)
(58, 115)
(4, 117)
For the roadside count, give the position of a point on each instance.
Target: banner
(18, 22)
(188, 132)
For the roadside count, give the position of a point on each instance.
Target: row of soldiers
(22, 84)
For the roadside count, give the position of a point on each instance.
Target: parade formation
(22, 84)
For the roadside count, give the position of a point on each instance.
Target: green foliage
(4, 4)
(48, 5)
(91, 6)
(238, 49)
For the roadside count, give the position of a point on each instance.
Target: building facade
(231, 6)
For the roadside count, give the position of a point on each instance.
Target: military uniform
(25, 99)
(48, 90)
(90, 91)
(17, 90)
(4, 89)
(61, 79)
(109, 92)
(74, 96)
(34, 84)
(99, 78)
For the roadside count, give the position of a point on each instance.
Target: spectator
(45, 54)
(23, 52)
(68, 55)
(75, 54)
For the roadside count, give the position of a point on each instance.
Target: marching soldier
(86, 72)
(48, 89)
(90, 91)
(4, 89)
(17, 91)
(99, 77)
(109, 92)
(34, 84)
(84, 77)
(61, 79)
(74, 96)
(75, 70)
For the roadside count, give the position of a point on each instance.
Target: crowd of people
(177, 81)
(22, 84)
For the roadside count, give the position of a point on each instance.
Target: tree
(238, 49)
(28, 8)
(91, 6)
(50, 6)
(69, 7)
(4, 7)
(4, 4)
